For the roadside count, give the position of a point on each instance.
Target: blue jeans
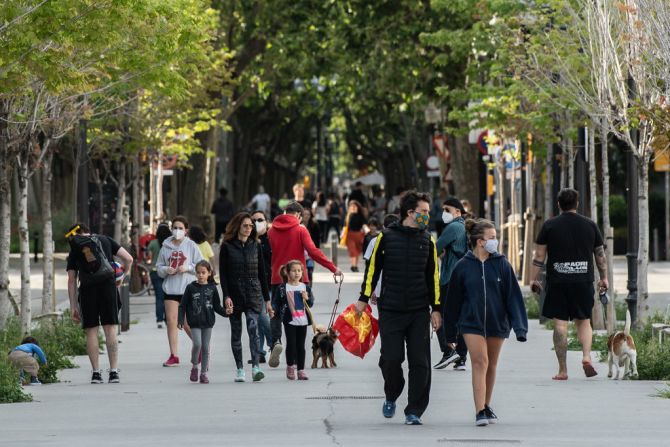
(157, 283)
(236, 336)
(264, 330)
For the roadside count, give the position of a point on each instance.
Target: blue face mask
(422, 220)
(491, 245)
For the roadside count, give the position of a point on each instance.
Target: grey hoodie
(187, 253)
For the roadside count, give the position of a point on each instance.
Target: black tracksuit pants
(461, 348)
(397, 329)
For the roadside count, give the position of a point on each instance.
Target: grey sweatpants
(201, 338)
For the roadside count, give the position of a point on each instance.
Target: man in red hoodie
(289, 240)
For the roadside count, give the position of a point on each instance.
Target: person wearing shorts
(98, 304)
(176, 265)
(568, 243)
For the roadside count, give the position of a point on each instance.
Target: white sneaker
(240, 376)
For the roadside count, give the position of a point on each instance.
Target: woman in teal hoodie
(484, 303)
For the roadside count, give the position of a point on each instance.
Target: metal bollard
(124, 292)
(36, 246)
(333, 252)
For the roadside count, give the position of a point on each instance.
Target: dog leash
(337, 301)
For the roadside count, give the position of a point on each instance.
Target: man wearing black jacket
(406, 252)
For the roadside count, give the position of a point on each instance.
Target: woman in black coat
(245, 288)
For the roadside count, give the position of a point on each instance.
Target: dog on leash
(322, 347)
(622, 353)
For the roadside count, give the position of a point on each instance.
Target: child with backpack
(198, 304)
(291, 301)
(23, 359)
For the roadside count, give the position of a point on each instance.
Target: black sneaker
(490, 415)
(114, 376)
(460, 365)
(96, 377)
(447, 359)
(481, 420)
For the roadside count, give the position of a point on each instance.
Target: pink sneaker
(290, 372)
(194, 374)
(173, 360)
(203, 378)
(302, 375)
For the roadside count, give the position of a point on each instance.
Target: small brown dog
(323, 345)
(621, 347)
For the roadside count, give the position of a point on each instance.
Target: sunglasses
(260, 219)
(247, 226)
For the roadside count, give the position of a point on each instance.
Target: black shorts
(569, 301)
(99, 305)
(176, 298)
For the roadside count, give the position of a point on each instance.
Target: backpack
(94, 267)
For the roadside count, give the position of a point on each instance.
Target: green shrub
(10, 388)
(664, 392)
(532, 306)
(59, 339)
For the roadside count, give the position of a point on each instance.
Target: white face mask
(178, 233)
(491, 245)
(260, 227)
(447, 217)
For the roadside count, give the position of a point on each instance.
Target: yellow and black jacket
(411, 278)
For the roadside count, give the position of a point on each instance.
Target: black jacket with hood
(198, 304)
(484, 298)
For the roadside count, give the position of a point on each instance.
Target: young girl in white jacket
(176, 265)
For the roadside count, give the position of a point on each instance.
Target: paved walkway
(156, 406)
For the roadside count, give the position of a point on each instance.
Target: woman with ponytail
(483, 303)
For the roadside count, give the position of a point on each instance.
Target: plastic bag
(357, 334)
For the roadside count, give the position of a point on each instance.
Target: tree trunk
(604, 134)
(597, 318)
(120, 202)
(549, 188)
(6, 168)
(194, 188)
(24, 239)
(643, 248)
(571, 163)
(47, 237)
(465, 172)
(138, 201)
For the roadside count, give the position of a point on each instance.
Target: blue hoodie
(484, 298)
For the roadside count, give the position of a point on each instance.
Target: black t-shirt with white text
(570, 239)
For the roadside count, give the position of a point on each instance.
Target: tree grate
(343, 397)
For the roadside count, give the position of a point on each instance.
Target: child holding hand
(292, 301)
(198, 305)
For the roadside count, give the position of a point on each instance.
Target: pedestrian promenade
(157, 406)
